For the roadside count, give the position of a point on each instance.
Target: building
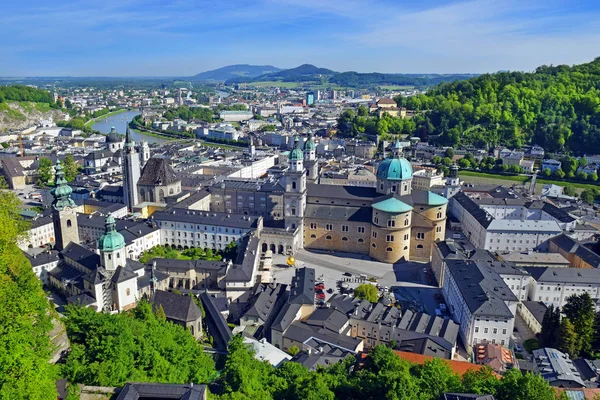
(136, 391)
(180, 310)
(479, 301)
(498, 358)
(114, 141)
(551, 164)
(158, 181)
(131, 172)
(578, 255)
(64, 216)
(310, 99)
(427, 178)
(553, 286)
(236, 116)
(557, 368)
(532, 313)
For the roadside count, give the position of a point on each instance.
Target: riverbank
(152, 133)
(94, 120)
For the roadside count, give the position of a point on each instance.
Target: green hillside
(557, 107)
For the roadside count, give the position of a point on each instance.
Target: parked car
(347, 274)
(320, 296)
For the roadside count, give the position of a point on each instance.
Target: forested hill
(557, 107)
(25, 93)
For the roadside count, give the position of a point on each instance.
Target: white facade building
(554, 285)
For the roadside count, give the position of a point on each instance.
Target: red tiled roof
(459, 367)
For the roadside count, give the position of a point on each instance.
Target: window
(419, 246)
(69, 223)
(313, 225)
(438, 229)
(504, 332)
(391, 223)
(485, 330)
(294, 185)
(361, 240)
(313, 236)
(406, 237)
(495, 331)
(344, 228)
(344, 239)
(389, 238)
(439, 215)
(328, 237)
(389, 249)
(293, 211)
(361, 229)
(373, 245)
(376, 220)
(476, 329)
(328, 227)
(374, 235)
(128, 291)
(420, 235)
(405, 247)
(406, 222)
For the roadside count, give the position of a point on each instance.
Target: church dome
(395, 169)
(296, 154)
(111, 239)
(114, 136)
(310, 145)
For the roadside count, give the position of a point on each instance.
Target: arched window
(360, 240)
(161, 195)
(143, 194)
(328, 237)
(313, 236)
(150, 196)
(69, 223)
(345, 239)
(419, 246)
(118, 255)
(294, 185)
(406, 222)
(389, 249)
(109, 257)
(439, 215)
(170, 191)
(381, 186)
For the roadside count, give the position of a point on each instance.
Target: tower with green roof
(295, 192)
(131, 172)
(394, 174)
(64, 216)
(111, 246)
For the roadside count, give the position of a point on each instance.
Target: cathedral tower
(310, 157)
(64, 216)
(295, 192)
(112, 246)
(131, 172)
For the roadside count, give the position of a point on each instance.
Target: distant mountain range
(244, 71)
(309, 73)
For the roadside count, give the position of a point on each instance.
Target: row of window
(494, 331)
(198, 227)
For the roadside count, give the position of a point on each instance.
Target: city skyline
(147, 38)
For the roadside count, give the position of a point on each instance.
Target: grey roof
(186, 265)
(12, 167)
(99, 155)
(217, 325)
(83, 299)
(176, 306)
(482, 288)
(472, 208)
(570, 245)
(537, 309)
(157, 171)
(556, 366)
(565, 276)
(81, 255)
(123, 274)
(466, 396)
(303, 286)
(341, 192)
(262, 304)
(44, 258)
(285, 317)
(557, 213)
(162, 391)
(313, 336)
(339, 213)
(330, 316)
(206, 218)
(321, 359)
(243, 268)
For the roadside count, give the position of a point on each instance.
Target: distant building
(551, 164)
(310, 99)
(180, 310)
(557, 368)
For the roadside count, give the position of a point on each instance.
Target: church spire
(129, 143)
(61, 191)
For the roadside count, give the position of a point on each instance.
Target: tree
(580, 310)
(111, 349)
(587, 196)
(44, 170)
(449, 153)
(558, 174)
(567, 340)
(464, 163)
(570, 191)
(70, 167)
(436, 160)
(59, 103)
(25, 315)
(593, 177)
(292, 351)
(367, 291)
(550, 325)
(582, 175)
(517, 386)
(547, 172)
(68, 104)
(435, 377)
(515, 169)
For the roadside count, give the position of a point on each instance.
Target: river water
(120, 121)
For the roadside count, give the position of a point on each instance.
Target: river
(120, 121)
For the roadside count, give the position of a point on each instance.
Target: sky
(186, 37)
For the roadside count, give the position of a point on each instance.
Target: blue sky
(185, 37)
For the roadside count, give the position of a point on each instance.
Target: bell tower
(295, 192)
(112, 246)
(64, 216)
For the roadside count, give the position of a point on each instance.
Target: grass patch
(158, 135)
(522, 178)
(42, 107)
(396, 87)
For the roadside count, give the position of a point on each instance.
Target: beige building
(426, 178)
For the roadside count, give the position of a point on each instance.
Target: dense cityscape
(256, 232)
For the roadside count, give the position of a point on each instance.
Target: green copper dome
(395, 169)
(61, 191)
(296, 154)
(435, 199)
(392, 205)
(310, 145)
(111, 240)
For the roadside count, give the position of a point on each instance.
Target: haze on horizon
(183, 38)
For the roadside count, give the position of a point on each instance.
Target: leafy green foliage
(555, 107)
(44, 170)
(367, 291)
(25, 315)
(111, 349)
(570, 191)
(70, 167)
(194, 253)
(581, 311)
(26, 93)
(187, 114)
